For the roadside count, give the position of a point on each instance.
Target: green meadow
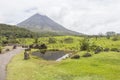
(102, 66)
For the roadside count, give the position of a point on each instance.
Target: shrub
(43, 51)
(0, 50)
(76, 56)
(84, 45)
(87, 55)
(36, 46)
(52, 40)
(115, 49)
(53, 49)
(68, 40)
(106, 49)
(115, 38)
(43, 46)
(108, 36)
(25, 46)
(36, 40)
(31, 46)
(7, 49)
(93, 47)
(61, 41)
(98, 49)
(118, 50)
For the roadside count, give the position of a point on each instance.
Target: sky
(84, 16)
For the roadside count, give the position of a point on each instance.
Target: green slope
(14, 31)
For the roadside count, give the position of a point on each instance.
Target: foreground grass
(104, 66)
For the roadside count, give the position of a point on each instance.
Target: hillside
(43, 24)
(14, 31)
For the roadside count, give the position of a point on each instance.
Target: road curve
(5, 59)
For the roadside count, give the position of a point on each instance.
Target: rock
(14, 47)
(106, 49)
(28, 49)
(87, 55)
(26, 55)
(75, 56)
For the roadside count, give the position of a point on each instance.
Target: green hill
(14, 31)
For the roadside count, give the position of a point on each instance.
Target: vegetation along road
(5, 59)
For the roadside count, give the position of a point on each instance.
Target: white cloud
(87, 16)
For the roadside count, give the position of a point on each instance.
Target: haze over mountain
(43, 24)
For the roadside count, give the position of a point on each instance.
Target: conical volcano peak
(38, 15)
(42, 23)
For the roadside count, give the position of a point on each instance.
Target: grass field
(102, 66)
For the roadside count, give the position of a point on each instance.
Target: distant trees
(15, 32)
(109, 34)
(115, 36)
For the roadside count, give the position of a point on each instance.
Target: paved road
(4, 60)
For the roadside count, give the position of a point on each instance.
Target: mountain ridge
(42, 23)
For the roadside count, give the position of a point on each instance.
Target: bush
(106, 49)
(61, 41)
(115, 49)
(87, 55)
(84, 45)
(115, 38)
(0, 50)
(54, 50)
(7, 49)
(36, 46)
(98, 49)
(43, 46)
(68, 40)
(43, 51)
(52, 40)
(93, 47)
(108, 36)
(76, 56)
(31, 46)
(25, 46)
